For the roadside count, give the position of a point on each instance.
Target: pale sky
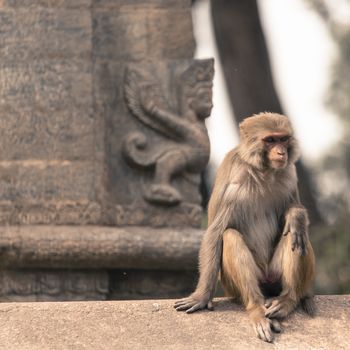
(301, 52)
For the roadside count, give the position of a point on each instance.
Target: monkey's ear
(252, 127)
(244, 130)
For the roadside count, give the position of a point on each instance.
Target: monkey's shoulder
(231, 169)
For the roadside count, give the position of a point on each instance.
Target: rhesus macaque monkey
(257, 236)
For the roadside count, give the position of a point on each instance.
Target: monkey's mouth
(279, 163)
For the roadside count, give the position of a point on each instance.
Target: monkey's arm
(220, 213)
(210, 257)
(298, 273)
(209, 265)
(296, 224)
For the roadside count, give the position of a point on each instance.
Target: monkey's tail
(136, 150)
(308, 305)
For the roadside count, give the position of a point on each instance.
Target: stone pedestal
(102, 141)
(154, 324)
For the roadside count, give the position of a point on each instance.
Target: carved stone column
(102, 112)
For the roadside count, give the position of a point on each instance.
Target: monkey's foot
(193, 303)
(280, 307)
(263, 326)
(162, 194)
(308, 305)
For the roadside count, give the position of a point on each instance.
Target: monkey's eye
(269, 139)
(284, 138)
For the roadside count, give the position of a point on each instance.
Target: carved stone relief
(176, 111)
(43, 285)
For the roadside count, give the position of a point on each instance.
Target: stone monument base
(154, 324)
(96, 262)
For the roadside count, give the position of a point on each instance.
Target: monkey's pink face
(276, 146)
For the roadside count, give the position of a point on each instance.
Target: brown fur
(257, 231)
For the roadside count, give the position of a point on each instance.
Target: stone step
(154, 324)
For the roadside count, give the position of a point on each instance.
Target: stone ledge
(156, 325)
(99, 247)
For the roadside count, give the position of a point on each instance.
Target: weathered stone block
(51, 167)
(46, 180)
(142, 34)
(62, 100)
(166, 42)
(46, 110)
(132, 4)
(119, 35)
(145, 284)
(48, 192)
(37, 33)
(41, 285)
(46, 3)
(113, 4)
(61, 285)
(96, 247)
(66, 122)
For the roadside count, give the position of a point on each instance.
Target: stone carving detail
(176, 110)
(44, 285)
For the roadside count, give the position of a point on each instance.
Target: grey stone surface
(53, 285)
(50, 171)
(142, 33)
(96, 3)
(41, 263)
(63, 113)
(96, 247)
(128, 284)
(63, 118)
(90, 284)
(155, 324)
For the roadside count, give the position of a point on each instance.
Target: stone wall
(101, 123)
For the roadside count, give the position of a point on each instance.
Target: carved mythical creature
(186, 149)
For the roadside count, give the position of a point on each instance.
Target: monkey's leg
(239, 273)
(297, 272)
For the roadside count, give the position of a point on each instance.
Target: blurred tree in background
(333, 242)
(246, 66)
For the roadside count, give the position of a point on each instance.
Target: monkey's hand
(279, 307)
(194, 302)
(297, 226)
